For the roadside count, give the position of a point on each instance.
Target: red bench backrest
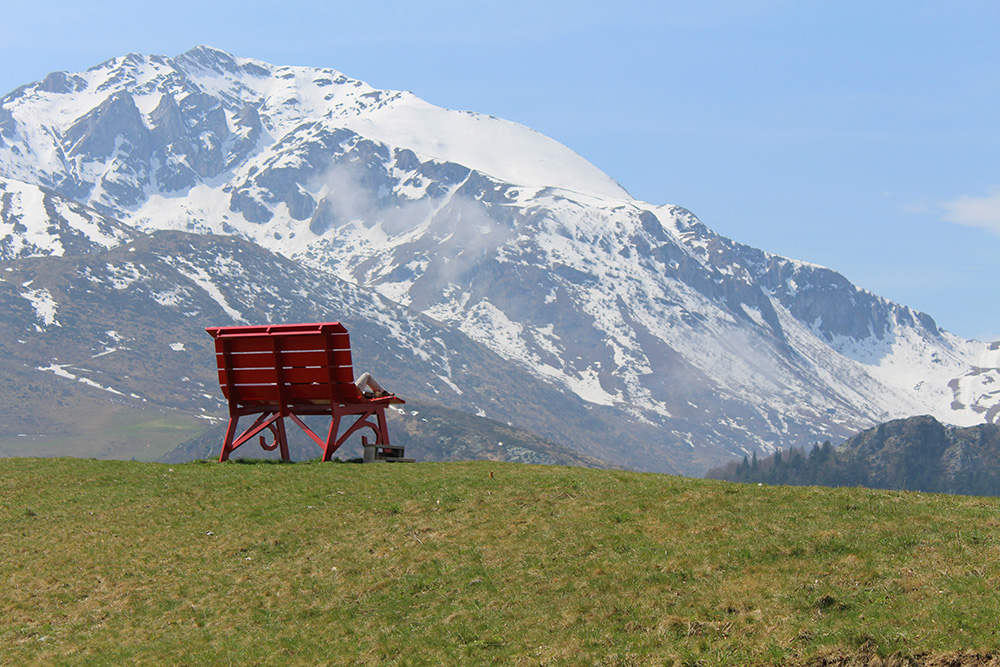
(285, 364)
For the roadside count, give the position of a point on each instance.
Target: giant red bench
(294, 370)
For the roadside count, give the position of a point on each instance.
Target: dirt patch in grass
(836, 658)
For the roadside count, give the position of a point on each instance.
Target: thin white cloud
(982, 212)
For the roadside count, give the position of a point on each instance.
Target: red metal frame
(292, 370)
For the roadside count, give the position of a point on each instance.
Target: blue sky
(862, 136)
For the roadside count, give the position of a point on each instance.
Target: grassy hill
(111, 562)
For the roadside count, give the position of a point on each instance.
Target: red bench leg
(227, 443)
(383, 428)
(331, 437)
(282, 439)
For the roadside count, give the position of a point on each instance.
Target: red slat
(289, 359)
(343, 374)
(285, 343)
(257, 393)
(345, 392)
(270, 329)
(342, 391)
(293, 375)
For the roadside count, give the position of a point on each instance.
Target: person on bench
(369, 387)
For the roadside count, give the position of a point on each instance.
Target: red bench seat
(288, 370)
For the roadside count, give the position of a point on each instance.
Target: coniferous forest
(915, 454)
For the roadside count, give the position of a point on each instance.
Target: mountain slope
(675, 347)
(125, 327)
(36, 222)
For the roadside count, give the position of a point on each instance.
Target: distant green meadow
(110, 562)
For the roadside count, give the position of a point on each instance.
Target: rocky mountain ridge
(913, 454)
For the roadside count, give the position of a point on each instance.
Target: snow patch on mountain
(203, 279)
(60, 371)
(527, 158)
(44, 305)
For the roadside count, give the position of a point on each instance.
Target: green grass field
(108, 563)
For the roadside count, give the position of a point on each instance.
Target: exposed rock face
(921, 454)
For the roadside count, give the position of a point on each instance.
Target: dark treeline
(824, 465)
(820, 466)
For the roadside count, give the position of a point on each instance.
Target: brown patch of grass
(839, 658)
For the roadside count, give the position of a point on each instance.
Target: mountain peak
(212, 59)
(288, 97)
(206, 53)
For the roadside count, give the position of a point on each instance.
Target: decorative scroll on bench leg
(268, 420)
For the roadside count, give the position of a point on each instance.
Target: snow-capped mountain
(685, 346)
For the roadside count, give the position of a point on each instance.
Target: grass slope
(111, 562)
